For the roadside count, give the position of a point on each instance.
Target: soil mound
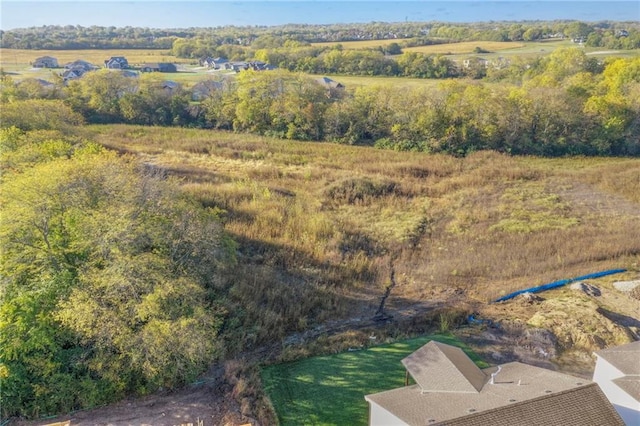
(578, 324)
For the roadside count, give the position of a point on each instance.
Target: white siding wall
(627, 407)
(378, 416)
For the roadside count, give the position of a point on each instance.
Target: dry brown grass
(23, 57)
(487, 224)
(464, 47)
(364, 44)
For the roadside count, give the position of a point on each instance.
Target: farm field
(353, 81)
(16, 62)
(364, 44)
(464, 47)
(23, 57)
(329, 390)
(495, 48)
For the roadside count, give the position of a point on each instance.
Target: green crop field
(330, 390)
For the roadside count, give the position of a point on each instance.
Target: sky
(212, 13)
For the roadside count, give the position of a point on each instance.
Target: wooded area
(566, 103)
(198, 42)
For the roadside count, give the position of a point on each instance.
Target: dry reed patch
(621, 179)
(437, 226)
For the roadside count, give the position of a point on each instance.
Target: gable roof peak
(438, 367)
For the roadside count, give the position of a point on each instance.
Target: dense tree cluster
(565, 103)
(109, 274)
(196, 42)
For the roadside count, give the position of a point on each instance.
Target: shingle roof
(584, 406)
(437, 367)
(631, 385)
(521, 395)
(625, 358)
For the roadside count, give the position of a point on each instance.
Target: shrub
(360, 190)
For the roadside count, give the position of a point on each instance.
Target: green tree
(109, 276)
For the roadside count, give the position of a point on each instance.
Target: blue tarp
(559, 283)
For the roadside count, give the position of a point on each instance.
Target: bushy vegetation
(110, 276)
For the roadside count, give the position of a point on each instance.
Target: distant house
(213, 63)
(329, 83)
(622, 33)
(451, 390)
(261, 66)
(253, 65)
(159, 67)
(45, 62)
(617, 373)
(72, 74)
(204, 89)
(334, 89)
(80, 64)
(116, 62)
(169, 86)
(475, 62)
(236, 66)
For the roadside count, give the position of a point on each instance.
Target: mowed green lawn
(330, 390)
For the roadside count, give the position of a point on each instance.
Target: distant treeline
(562, 104)
(204, 41)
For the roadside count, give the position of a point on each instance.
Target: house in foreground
(450, 389)
(618, 374)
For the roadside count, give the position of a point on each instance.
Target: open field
(352, 81)
(16, 62)
(464, 47)
(20, 57)
(364, 44)
(487, 224)
(329, 390)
